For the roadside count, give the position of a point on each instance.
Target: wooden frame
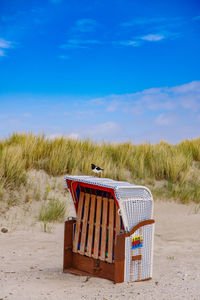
(79, 264)
(77, 261)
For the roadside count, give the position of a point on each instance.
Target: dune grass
(53, 210)
(171, 171)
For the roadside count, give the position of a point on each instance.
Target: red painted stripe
(73, 185)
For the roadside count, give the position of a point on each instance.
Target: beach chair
(112, 235)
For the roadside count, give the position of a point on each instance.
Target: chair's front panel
(139, 254)
(96, 226)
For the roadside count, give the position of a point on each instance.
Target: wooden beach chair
(98, 242)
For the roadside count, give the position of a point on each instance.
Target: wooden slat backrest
(78, 222)
(85, 223)
(104, 229)
(97, 227)
(91, 225)
(110, 230)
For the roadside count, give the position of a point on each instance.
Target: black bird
(96, 169)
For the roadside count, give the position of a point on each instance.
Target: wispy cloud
(153, 37)
(27, 115)
(64, 57)
(83, 114)
(191, 87)
(184, 97)
(166, 119)
(152, 29)
(129, 43)
(80, 33)
(170, 113)
(72, 135)
(155, 22)
(4, 45)
(102, 130)
(85, 25)
(143, 21)
(79, 43)
(113, 106)
(156, 113)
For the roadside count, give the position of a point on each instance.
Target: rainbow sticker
(137, 242)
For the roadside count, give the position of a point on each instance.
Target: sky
(115, 71)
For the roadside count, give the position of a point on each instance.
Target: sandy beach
(31, 261)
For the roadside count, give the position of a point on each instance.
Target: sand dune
(31, 262)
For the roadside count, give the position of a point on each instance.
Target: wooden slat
(91, 226)
(137, 257)
(78, 222)
(119, 258)
(104, 229)
(68, 242)
(84, 225)
(97, 227)
(140, 253)
(117, 222)
(110, 230)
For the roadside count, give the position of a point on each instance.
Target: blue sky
(109, 70)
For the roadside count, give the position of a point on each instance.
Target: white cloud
(79, 35)
(4, 45)
(113, 106)
(165, 119)
(79, 43)
(153, 37)
(152, 30)
(107, 127)
(71, 135)
(14, 121)
(81, 114)
(64, 57)
(170, 113)
(26, 115)
(141, 40)
(193, 86)
(171, 134)
(103, 130)
(127, 43)
(186, 96)
(85, 25)
(143, 21)
(55, 136)
(154, 114)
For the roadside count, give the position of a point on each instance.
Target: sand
(31, 261)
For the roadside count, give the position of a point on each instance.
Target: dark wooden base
(88, 266)
(79, 264)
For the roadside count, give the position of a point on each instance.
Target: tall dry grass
(144, 163)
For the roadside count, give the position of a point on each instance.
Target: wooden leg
(68, 244)
(119, 258)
